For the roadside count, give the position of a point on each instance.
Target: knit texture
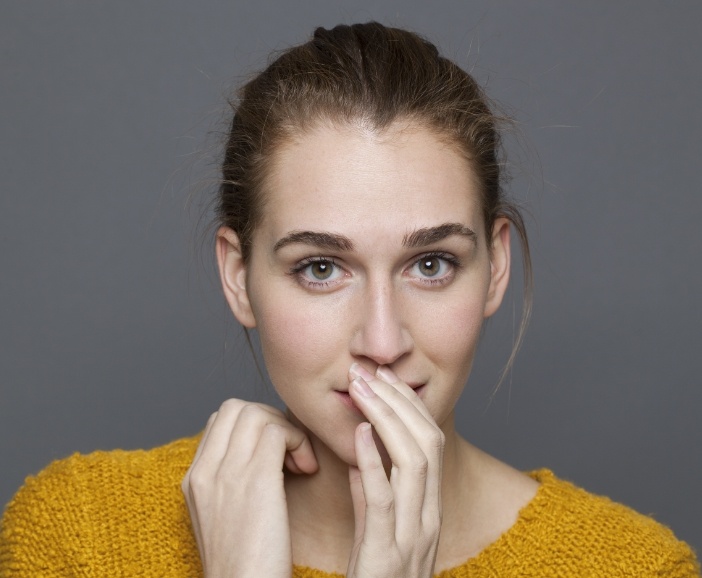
(121, 513)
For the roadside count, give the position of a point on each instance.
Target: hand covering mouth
(412, 385)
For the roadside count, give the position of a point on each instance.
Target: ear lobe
(232, 273)
(499, 265)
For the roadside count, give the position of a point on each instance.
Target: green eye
(435, 268)
(318, 272)
(429, 266)
(321, 270)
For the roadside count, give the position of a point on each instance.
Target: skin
(368, 282)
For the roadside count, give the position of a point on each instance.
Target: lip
(345, 397)
(418, 388)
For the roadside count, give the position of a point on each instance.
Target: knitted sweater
(121, 513)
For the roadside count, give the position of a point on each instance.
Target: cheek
(299, 343)
(306, 356)
(462, 336)
(450, 335)
(449, 343)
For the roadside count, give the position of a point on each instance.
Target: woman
(364, 234)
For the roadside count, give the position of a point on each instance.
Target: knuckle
(249, 411)
(419, 465)
(375, 467)
(386, 412)
(230, 405)
(385, 506)
(198, 481)
(437, 440)
(274, 431)
(431, 522)
(224, 476)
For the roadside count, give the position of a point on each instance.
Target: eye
(430, 266)
(321, 270)
(434, 268)
(317, 272)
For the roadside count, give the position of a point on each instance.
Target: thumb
(359, 503)
(359, 514)
(300, 456)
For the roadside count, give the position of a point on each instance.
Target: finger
(384, 373)
(302, 458)
(219, 439)
(408, 476)
(411, 411)
(359, 514)
(429, 436)
(246, 436)
(359, 502)
(299, 456)
(290, 464)
(377, 522)
(214, 447)
(270, 449)
(185, 483)
(389, 408)
(414, 445)
(205, 435)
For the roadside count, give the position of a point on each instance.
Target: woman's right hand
(235, 494)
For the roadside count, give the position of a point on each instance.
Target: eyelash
(298, 269)
(452, 260)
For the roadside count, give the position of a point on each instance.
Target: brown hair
(374, 75)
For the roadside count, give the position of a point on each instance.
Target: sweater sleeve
(117, 513)
(680, 563)
(43, 532)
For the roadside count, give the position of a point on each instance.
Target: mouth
(418, 388)
(345, 397)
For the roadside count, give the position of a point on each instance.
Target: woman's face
(372, 250)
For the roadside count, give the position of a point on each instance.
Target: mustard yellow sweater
(121, 513)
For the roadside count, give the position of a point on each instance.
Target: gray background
(113, 332)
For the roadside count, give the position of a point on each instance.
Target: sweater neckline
(526, 515)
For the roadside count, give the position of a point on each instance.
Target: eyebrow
(429, 235)
(322, 240)
(419, 238)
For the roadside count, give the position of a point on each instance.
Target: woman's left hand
(398, 520)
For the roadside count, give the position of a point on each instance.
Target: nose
(380, 334)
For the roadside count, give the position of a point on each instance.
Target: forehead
(350, 180)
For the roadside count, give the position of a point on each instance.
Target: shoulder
(599, 536)
(106, 476)
(90, 505)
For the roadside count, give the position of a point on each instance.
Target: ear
(232, 273)
(499, 265)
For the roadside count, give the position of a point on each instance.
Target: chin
(341, 448)
(333, 440)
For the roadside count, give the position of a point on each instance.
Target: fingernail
(384, 373)
(362, 387)
(360, 371)
(367, 434)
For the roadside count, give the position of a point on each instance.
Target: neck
(321, 510)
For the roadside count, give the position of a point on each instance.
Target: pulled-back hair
(371, 75)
